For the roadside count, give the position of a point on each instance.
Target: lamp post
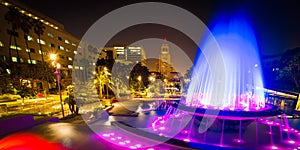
(106, 72)
(58, 75)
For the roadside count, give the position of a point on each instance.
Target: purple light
(285, 130)
(291, 142)
(127, 141)
(150, 149)
(162, 128)
(132, 147)
(274, 147)
(186, 140)
(122, 143)
(163, 121)
(238, 140)
(138, 145)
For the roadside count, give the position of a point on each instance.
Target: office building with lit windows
(125, 54)
(54, 39)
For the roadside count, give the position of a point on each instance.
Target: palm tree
(39, 28)
(102, 78)
(13, 18)
(26, 26)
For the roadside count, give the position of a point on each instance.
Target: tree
(39, 28)
(142, 72)
(13, 18)
(120, 77)
(290, 69)
(102, 78)
(26, 26)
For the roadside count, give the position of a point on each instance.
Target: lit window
(68, 50)
(14, 59)
(70, 58)
(70, 66)
(1, 44)
(61, 48)
(8, 71)
(51, 45)
(81, 68)
(30, 50)
(15, 47)
(4, 58)
(33, 61)
(67, 42)
(50, 34)
(40, 41)
(75, 52)
(29, 38)
(44, 53)
(76, 67)
(73, 44)
(21, 60)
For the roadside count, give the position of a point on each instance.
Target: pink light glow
(291, 142)
(138, 145)
(122, 143)
(285, 130)
(162, 128)
(238, 140)
(186, 140)
(132, 147)
(274, 147)
(150, 149)
(127, 141)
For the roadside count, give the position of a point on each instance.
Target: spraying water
(243, 85)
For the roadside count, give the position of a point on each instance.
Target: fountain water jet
(234, 118)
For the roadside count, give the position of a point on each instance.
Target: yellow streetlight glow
(139, 78)
(53, 56)
(57, 65)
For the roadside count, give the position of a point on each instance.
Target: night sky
(276, 23)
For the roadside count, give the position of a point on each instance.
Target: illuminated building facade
(54, 39)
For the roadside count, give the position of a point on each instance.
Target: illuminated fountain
(225, 105)
(228, 113)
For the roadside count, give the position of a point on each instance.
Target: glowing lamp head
(58, 66)
(52, 56)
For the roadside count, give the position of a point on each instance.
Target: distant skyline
(179, 60)
(276, 23)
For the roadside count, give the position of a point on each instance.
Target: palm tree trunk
(17, 48)
(9, 52)
(41, 48)
(27, 47)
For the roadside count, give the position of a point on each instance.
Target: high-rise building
(34, 48)
(164, 64)
(125, 54)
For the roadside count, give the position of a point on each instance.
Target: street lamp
(106, 72)
(58, 75)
